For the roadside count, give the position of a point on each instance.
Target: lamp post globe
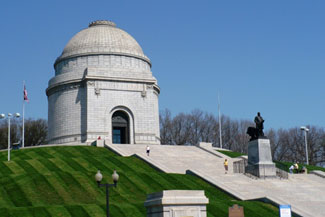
(98, 177)
(17, 115)
(2, 116)
(115, 177)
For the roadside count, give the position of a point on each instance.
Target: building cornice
(73, 83)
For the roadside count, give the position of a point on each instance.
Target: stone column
(176, 203)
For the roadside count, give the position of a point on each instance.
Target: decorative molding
(90, 83)
(102, 22)
(63, 87)
(144, 90)
(59, 59)
(97, 91)
(143, 93)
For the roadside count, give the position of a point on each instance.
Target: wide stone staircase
(304, 192)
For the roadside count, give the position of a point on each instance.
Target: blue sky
(265, 56)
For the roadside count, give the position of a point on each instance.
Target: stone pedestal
(176, 203)
(100, 143)
(260, 162)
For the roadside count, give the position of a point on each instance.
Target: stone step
(305, 193)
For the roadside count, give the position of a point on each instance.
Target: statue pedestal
(100, 143)
(177, 203)
(260, 162)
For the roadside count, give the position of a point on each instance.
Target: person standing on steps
(226, 165)
(148, 150)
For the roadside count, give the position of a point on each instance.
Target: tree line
(35, 132)
(199, 126)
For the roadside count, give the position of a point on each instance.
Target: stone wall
(65, 113)
(106, 97)
(115, 63)
(82, 101)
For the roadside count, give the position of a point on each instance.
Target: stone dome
(100, 38)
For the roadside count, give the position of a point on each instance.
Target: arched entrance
(120, 128)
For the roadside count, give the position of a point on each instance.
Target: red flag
(25, 94)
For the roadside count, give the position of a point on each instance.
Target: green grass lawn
(231, 154)
(59, 181)
(286, 165)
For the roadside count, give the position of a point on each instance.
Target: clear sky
(266, 56)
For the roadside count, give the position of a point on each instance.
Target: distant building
(103, 87)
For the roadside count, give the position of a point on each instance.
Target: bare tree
(14, 133)
(275, 145)
(181, 130)
(209, 131)
(35, 132)
(196, 126)
(165, 121)
(199, 126)
(289, 145)
(3, 134)
(315, 145)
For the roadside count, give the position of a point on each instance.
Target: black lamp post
(99, 178)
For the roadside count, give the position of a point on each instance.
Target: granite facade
(88, 88)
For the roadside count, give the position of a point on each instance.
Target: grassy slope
(286, 166)
(282, 165)
(59, 181)
(231, 154)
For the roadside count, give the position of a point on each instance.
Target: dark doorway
(120, 128)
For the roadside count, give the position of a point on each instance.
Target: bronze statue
(257, 132)
(259, 124)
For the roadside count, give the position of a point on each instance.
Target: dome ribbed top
(102, 37)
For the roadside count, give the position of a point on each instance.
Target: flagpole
(220, 136)
(23, 133)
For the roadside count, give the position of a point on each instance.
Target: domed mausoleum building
(103, 86)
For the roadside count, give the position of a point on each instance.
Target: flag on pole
(23, 130)
(25, 94)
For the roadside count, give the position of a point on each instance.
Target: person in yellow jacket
(226, 165)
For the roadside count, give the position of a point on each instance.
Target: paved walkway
(305, 193)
